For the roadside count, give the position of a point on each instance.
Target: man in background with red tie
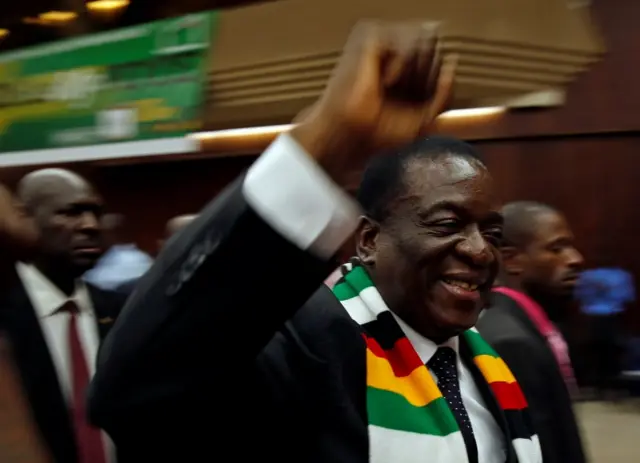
(53, 320)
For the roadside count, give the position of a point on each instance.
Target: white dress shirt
(46, 298)
(489, 437)
(299, 200)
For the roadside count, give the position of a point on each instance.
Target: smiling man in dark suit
(53, 320)
(231, 344)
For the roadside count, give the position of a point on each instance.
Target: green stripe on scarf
(354, 282)
(389, 410)
(478, 345)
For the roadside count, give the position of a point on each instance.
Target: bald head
(520, 219)
(68, 213)
(40, 185)
(178, 223)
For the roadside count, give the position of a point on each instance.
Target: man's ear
(366, 240)
(512, 260)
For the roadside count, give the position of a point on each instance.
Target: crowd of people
(438, 341)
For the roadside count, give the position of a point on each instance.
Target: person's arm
(20, 441)
(228, 281)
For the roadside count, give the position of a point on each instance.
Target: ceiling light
(52, 18)
(58, 16)
(277, 129)
(472, 112)
(243, 132)
(106, 5)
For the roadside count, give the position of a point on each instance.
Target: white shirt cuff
(298, 199)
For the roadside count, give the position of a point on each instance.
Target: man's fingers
(443, 95)
(444, 90)
(432, 72)
(399, 55)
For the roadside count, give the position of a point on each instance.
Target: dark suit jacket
(228, 347)
(33, 361)
(126, 289)
(514, 336)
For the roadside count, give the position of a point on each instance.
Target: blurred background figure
(55, 321)
(20, 441)
(123, 262)
(175, 225)
(18, 235)
(172, 228)
(540, 266)
(603, 294)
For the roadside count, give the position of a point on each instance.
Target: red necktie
(88, 438)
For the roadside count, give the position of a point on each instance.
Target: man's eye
(446, 223)
(494, 236)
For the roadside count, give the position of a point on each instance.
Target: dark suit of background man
(225, 351)
(540, 269)
(53, 320)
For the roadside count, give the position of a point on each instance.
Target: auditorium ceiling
(30, 22)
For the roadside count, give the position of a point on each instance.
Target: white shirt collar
(46, 297)
(425, 348)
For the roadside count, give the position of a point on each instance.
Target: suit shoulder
(499, 323)
(323, 313)
(321, 328)
(508, 335)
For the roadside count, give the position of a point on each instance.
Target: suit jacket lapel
(489, 398)
(37, 370)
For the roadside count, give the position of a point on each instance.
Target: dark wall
(593, 179)
(150, 194)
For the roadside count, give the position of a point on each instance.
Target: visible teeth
(461, 284)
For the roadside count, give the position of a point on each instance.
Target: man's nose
(575, 259)
(476, 249)
(89, 222)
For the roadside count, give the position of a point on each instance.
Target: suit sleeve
(222, 288)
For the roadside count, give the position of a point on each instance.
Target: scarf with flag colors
(409, 419)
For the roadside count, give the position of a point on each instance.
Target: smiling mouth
(464, 285)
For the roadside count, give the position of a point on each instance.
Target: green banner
(139, 83)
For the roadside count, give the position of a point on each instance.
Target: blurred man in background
(175, 225)
(53, 320)
(540, 267)
(172, 227)
(18, 235)
(123, 262)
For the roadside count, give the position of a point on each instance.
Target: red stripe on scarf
(509, 395)
(402, 357)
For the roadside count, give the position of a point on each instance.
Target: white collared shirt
(490, 439)
(299, 200)
(46, 298)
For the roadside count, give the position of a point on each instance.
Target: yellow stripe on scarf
(418, 388)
